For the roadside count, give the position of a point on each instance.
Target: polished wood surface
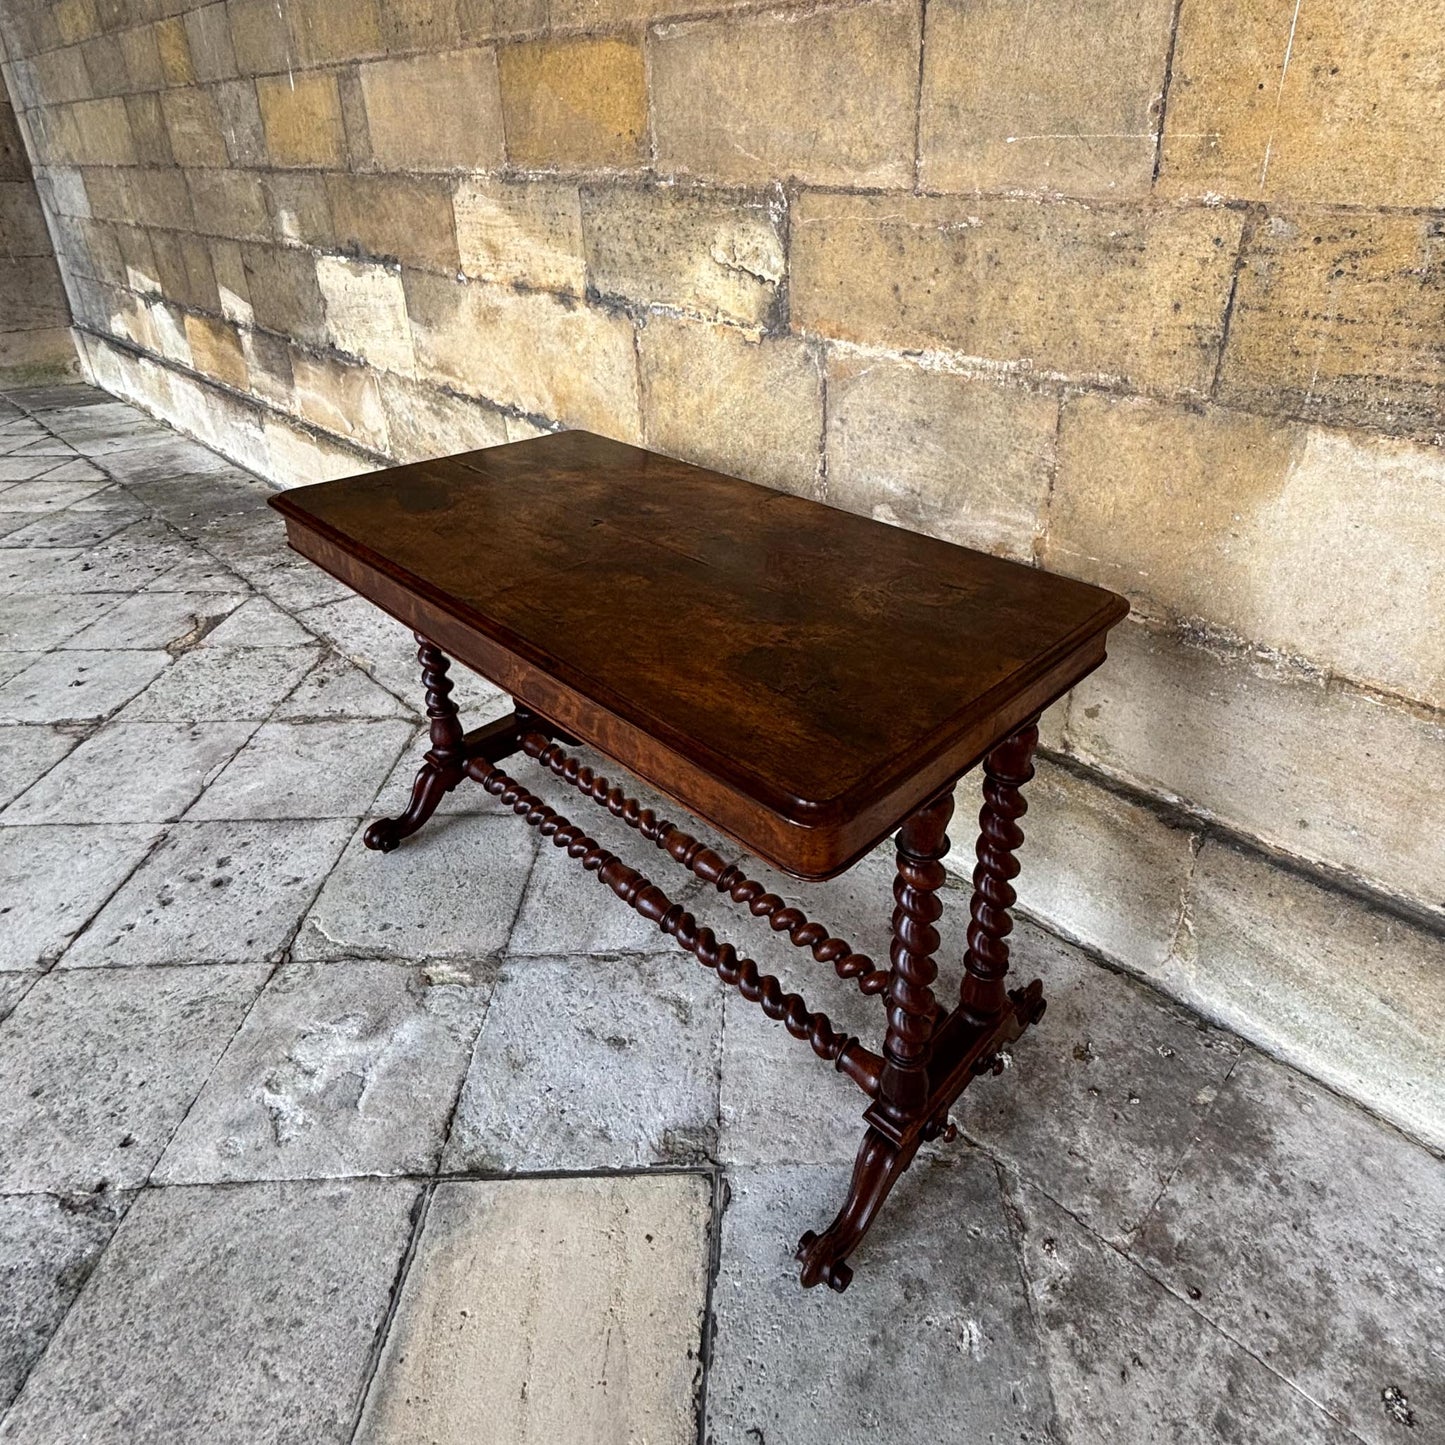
(800, 677)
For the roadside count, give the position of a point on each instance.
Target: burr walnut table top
(798, 676)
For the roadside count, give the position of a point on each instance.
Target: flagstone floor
(302, 1143)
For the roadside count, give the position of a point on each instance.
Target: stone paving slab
(588, 1064)
(157, 619)
(27, 752)
(1328, 1262)
(259, 623)
(12, 664)
(213, 893)
(934, 1340)
(1130, 1361)
(48, 1247)
(70, 528)
(1103, 1097)
(446, 892)
(98, 1069)
(53, 880)
(132, 773)
(221, 683)
(14, 987)
(306, 770)
(283, 1287)
(339, 1069)
(334, 688)
(551, 1310)
(78, 686)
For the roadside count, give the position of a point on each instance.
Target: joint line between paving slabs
(721, 1196)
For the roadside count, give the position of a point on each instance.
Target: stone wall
(1152, 294)
(34, 318)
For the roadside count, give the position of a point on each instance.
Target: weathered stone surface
(284, 296)
(336, 689)
(306, 770)
(221, 683)
(339, 1069)
(325, 32)
(1314, 768)
(366, 312)
(194, 125)
(99, 1068)
(1103, 1098)
(423, 901)
(1353, 995)
(55, 879)
(515, 1272)
(574, 102)
(392, 216)
(1127, 1360)
(296, 458)
(256, 622)
(292, 1281)
(27, 753)
(132, 773)
(1336, 319)
(209, 36)
(544, 354)
(48, 1248)
(960, 458)
(960, 1346)
(423, 422)
(1096, 866)
(1281, 534)
(590, 1064)
(1334, 103)
(718, 397)
(435, 112)
(1055, 288)
(340, 399)
(827, 96)
(525, 233)
(1045, 99)
(77, 686)
(216, 350)
(722, 259)
(213, 892)
(259, 37)
(229, 203)
(1298, 1261)
(156, 619)
(302, 117)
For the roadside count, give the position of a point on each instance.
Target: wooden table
(805, 680)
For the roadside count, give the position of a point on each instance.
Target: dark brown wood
(806, 681)
(799, 677)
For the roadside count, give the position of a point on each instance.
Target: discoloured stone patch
(553, 1310)
(99, 1068)
(341, 1068)
(293, 1281)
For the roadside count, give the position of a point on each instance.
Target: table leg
(903, 1095)
(446, 761)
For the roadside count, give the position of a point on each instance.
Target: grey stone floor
(301, 1143)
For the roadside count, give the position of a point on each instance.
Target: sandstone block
(1352, 995)
(229, 203)
(174, 48)
(300, 208)
(34, 297)
(827, 96)
(1060, 288)
(961, 458)
(283, 292)
(718, 397)
(325, 32)
(1319, 770)
(436, 112)
(388, 216)
(148, 128)
(259, 37)
(420, 25)
(97, 132)
(268, 367)
(1337, 319)
(340, 399)
(209, 34)
(576, 102)
(543, 354)
(194, 126)
(60, 75)
(1336, 102)
(105, 65)
(302, 117)
(297, 457)
(183, 265)
(721, 259)
(422, 422)
(154, 198)
(525, 233)
(22, 222)
(1316, 543)
(366, 312)
(142, 57)
(241, 122)
(990, 121)
(494, 19)
(216, 351)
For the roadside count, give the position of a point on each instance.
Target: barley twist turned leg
(445, 763)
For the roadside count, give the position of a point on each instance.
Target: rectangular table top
(800, 677)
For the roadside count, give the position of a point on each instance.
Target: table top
(800, 676)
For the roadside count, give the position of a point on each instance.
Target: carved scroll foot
(877, 1169)
(431, 786)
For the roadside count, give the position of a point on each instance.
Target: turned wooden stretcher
(806, 681)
